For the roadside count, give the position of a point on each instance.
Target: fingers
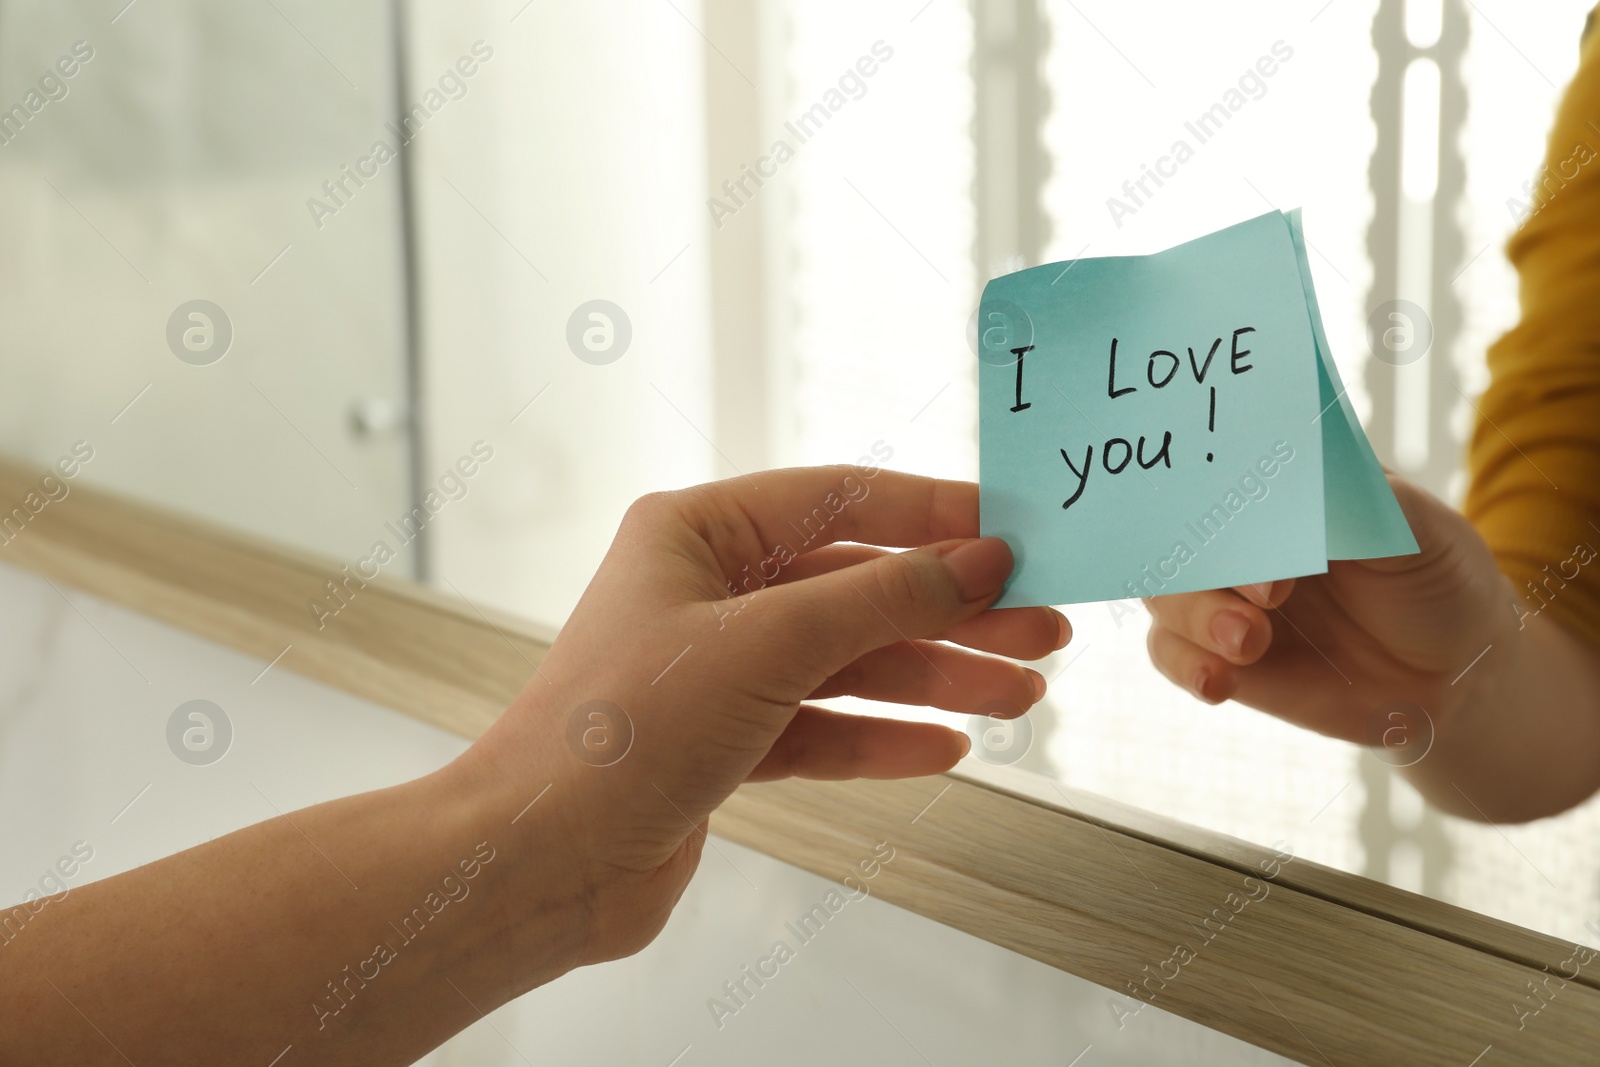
(1020, 633)
(936, 676)
(833, 746)
(805, 508)
(1187, 665)
(835, 618)
(826, 561)
(1218, 620)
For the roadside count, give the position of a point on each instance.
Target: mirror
(464, 280)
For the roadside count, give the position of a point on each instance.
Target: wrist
(1491, 674)
(1517, 737)
(535, 919)
(1474, 695)
(616, 857)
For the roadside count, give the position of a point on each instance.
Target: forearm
(366, 930)
(1525, 741)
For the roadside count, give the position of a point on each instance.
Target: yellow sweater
(1535, 450)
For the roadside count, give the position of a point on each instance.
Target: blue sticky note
(1169, 423)
(1364, 518)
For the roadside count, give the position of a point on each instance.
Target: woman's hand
(718, 612)
(1326, 651)
(370, 928)
(1508, 729)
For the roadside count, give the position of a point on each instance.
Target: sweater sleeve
(1534, 456)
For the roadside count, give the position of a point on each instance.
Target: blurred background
(564, 236)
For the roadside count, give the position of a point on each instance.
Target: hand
(705, 690)
(542, 848)
(1327, 651)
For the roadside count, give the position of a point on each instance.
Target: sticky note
(1173, 422)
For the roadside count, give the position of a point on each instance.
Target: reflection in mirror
(435, 291)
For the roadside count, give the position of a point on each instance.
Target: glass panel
(1114, 726)
(883, 205)
(176, 164)
(265, 273)
(1546, 875)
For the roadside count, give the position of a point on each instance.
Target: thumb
(844, 614)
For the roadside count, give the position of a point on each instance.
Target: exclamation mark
(1211, 422)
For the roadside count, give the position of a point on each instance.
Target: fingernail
(1038, 685)
(979, 567)
(1065, 633)
(1201, 677)
(1229, 629)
